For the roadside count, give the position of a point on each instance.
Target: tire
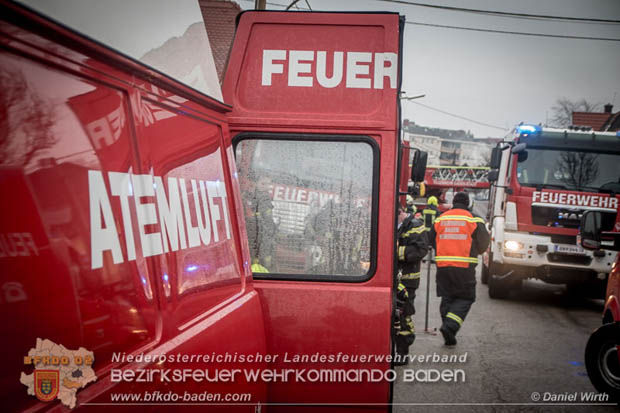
(602, 362)
(499, 288)
(484, 275)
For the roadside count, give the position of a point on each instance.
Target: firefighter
(430, 212)
(403, 326)
(411, 208)
(458, 237)
(412, 247)
(260, 225)
(342, 235)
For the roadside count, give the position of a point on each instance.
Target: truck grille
(562, 217)
(564, 239)
(557, 257)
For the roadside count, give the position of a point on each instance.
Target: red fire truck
(122, 229)
(439, 181)
(544, 180)
(602, 353)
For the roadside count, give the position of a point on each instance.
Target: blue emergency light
(528, 129)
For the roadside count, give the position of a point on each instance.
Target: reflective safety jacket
(459, 238)
(413, 245)
(256, 268)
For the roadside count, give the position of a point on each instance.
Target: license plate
(570, 249)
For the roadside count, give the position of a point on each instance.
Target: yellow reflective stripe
(401, 253)
(411, 276)
(429, 211)
(455, 318)
(461, 259)
(459, 218)
(401, 287)
(416, 230)
(258, 268)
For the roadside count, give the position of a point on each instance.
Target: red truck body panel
(612, 304)
(91, 141)
(122, 227)
(274, 87)
(524, 196)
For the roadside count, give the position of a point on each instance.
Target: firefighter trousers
(405, 334)
(411, 286)
(453, 311)
(403, 323)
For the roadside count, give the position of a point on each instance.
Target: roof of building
(593, 119)
(219, 17)
(413, 128)
(612, 124)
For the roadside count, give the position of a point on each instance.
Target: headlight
(513, 245)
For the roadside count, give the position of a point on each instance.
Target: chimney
(608, 108)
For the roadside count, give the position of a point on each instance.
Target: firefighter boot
(449, 337)
(402, 351)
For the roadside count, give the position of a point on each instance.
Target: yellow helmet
(432, 200)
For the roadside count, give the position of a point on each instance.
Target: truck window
(200, 265)
(59, 131)
(144, 31)
(308, 206)
(577, 171)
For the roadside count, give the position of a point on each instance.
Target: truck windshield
(146, 31)
(572, 170)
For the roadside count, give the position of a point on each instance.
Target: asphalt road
(516, 349)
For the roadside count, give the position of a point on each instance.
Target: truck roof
(571, 138)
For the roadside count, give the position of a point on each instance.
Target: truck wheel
(484, 274)
(602, 362)
(499, 287)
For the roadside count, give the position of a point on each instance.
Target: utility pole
(260, 4)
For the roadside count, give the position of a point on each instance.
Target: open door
(314, 126)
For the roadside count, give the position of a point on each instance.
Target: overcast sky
(498, 79)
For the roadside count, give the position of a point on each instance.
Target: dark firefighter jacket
(260, 226)
(413, 245)
(458, 237)
(430, 214)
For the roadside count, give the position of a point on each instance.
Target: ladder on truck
(457, 177)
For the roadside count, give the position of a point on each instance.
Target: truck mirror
(590, 230)
(493, 175)
(419, 166)
(518, 148)
(496, 158)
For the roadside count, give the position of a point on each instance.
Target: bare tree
(25, 120)
(562, 110)
(578, 168)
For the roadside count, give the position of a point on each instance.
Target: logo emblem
(58, 372)
(46, 384)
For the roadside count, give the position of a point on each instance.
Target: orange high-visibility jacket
(454, 231)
